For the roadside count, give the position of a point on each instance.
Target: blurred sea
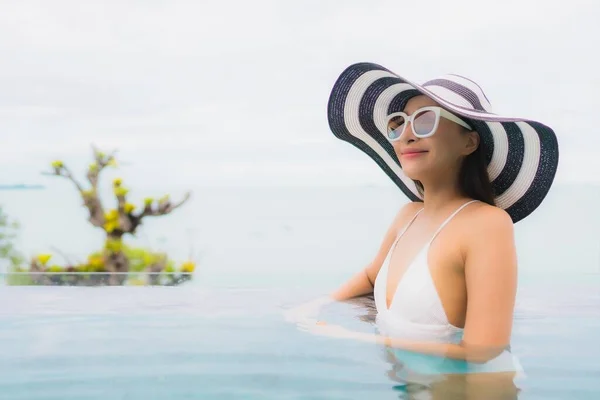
(292, 235)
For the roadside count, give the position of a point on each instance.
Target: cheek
(396, 146)
(446, 151)
(451, 137)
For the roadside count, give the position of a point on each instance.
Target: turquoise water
(199, 342)
(262, 249)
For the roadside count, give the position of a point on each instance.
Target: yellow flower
(57, 164)
(110, 226)
(96, 261)
(111, 215)
(121, 191)
(188, 267)
(112, 162)
(129, 208)
(55, 268)
(149, 258)
(93, 167)
(44, 258)
(117, 181)
(148, 201)
(164, 199)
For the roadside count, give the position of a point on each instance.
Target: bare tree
(118, 221)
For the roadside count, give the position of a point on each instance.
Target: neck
(438, 196)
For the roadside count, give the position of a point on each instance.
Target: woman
(444, 278)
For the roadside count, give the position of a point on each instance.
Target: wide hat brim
(521, 154)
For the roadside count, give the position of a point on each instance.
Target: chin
(414, 172)
(413, 176)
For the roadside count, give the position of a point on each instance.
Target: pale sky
(236, 91)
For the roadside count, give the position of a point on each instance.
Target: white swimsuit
(416, 313)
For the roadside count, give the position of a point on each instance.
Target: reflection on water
(198, 342)
(410, 384)
(450, 386)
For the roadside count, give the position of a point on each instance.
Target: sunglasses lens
(424, 122)
(395, 127)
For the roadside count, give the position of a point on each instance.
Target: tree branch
(90, 197)
(61, 170)
(101, 161)
(164, 207)
(122, 220)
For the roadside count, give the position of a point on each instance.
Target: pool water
(196, 342)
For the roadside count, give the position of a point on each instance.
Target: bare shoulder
(485, 218)
(488, 226)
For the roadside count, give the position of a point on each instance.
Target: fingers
(308, 324)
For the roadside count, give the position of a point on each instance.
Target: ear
(471, 142)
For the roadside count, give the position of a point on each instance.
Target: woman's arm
(491, 280)
(490, 273)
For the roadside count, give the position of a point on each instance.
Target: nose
(408, 135)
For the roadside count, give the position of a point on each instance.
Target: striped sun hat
(522, 155)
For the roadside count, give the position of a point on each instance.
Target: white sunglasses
(424, 122)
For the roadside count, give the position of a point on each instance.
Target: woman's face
(437, 154)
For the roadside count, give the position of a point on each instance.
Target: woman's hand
(306, 313)
(322, 328)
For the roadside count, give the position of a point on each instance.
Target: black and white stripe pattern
(522, 154)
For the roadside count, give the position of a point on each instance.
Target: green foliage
(8, 252)
(141, 260)
(8, 233)
(18, 279)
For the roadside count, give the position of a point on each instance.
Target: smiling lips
(413, 153)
